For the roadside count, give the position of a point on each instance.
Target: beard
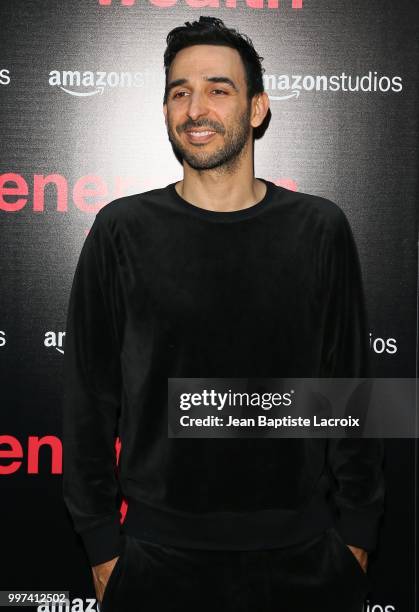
(225, 157)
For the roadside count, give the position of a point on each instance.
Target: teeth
(201, 134)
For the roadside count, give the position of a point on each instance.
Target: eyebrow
(214, 79)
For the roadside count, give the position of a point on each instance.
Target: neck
(222, 189)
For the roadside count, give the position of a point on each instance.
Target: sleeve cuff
(102, 543)
(358, 528)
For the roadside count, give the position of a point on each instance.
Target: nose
(197, 106)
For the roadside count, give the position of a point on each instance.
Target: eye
(178, 92)
(220, 90)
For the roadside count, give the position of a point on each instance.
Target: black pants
(321, 575)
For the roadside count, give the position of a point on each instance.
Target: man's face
(197, 105)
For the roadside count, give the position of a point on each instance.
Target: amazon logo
(89, 83)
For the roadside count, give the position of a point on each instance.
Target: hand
(361, 556)
(101, 575)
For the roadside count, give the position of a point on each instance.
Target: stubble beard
(225, 158)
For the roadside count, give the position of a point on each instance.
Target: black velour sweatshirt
(164, 288)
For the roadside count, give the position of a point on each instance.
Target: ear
(165, 113)
(260, 106)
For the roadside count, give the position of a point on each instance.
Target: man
(218, 275)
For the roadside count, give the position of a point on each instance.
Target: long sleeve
(91, 397)
(355, 463)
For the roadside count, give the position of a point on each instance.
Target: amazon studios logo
(279, 87)
(89, 83)
(287, 86)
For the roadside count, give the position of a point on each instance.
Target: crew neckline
(230, 215)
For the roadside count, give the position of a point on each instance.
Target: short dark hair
(212, 31)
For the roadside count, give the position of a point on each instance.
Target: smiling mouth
(200, 136)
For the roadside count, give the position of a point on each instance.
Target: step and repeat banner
(81, 84)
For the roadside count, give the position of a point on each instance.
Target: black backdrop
(343, 82)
